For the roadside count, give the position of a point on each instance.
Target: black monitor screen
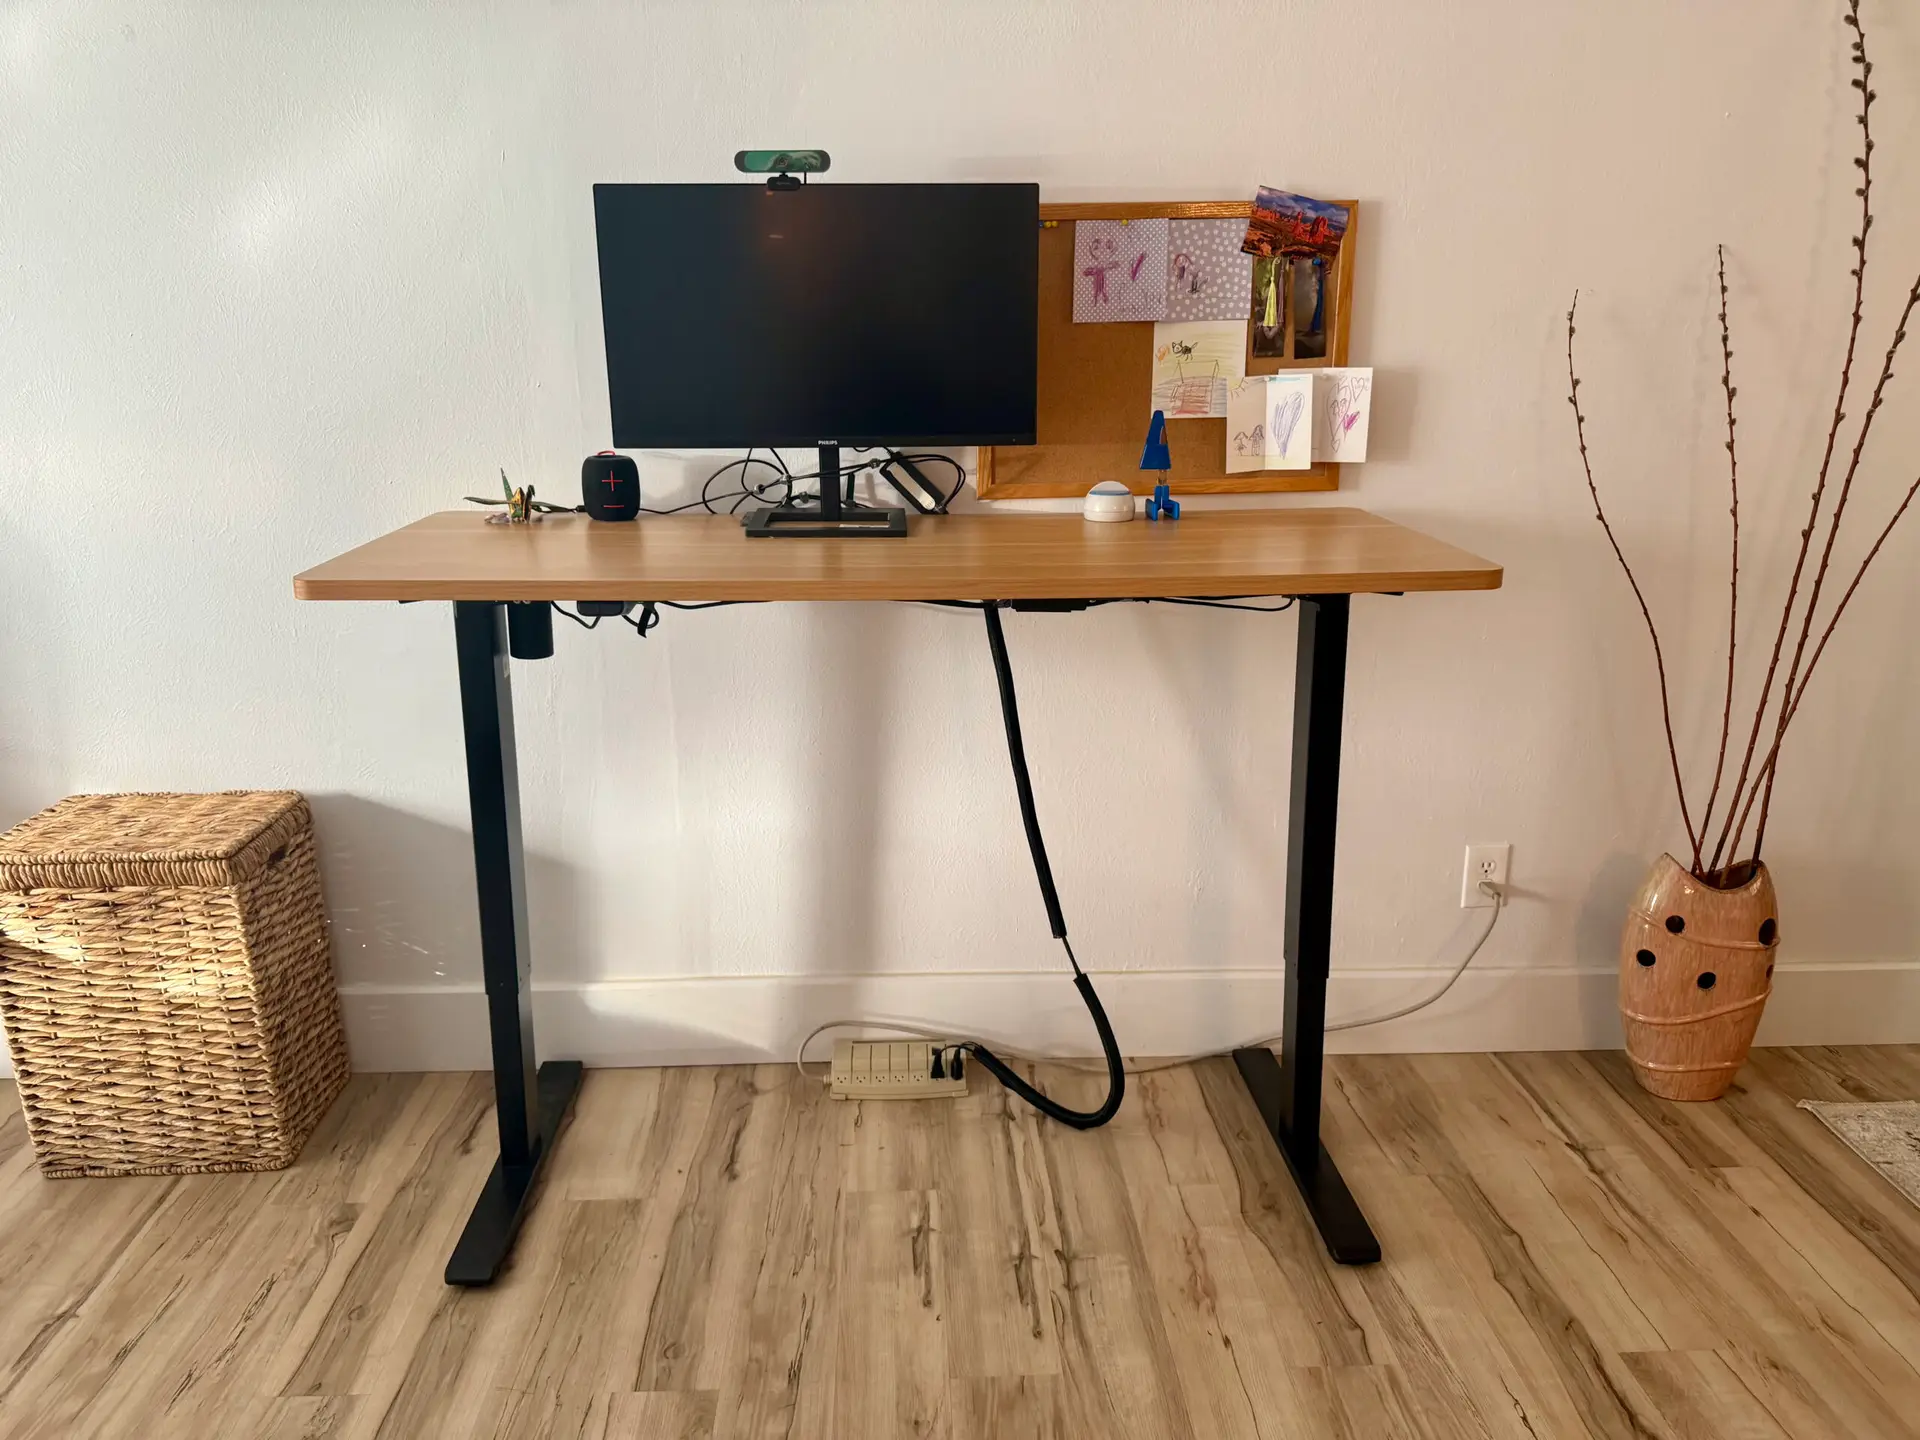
(864, 314)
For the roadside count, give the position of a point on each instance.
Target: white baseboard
(732, 1020)
(739, 1019)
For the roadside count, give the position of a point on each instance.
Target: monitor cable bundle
(1043, 872)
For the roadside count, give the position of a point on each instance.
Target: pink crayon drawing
(1347, 400)
(1120, 270)
(1105, 255)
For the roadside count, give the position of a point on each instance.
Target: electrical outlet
(1484, 862)
(891, 1070)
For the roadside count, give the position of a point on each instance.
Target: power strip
(890, 1070)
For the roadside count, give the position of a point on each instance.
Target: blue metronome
(1155, 457)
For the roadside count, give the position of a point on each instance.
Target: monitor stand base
(793, 520)
(833, 513)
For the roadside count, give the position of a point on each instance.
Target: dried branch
(1862, 82)
(1753, 787)
(1733, 587)
(1864, 163)
(1826, 554)
(1600, 514)
(1768, 765)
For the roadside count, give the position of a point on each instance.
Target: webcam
(782, 166)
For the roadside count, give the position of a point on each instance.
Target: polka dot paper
(1209, 277)
(1119, 270)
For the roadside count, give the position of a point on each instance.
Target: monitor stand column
(831, 515)
(830, 506)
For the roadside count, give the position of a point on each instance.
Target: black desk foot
(1348, 1237)
(488, 1239)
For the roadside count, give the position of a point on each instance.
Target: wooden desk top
(458, 556)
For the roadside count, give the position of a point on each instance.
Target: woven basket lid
(109, 841)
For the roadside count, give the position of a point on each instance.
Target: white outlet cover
(1483, 862)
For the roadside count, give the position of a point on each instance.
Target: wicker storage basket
(166, 984)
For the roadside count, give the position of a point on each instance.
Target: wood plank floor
(729, 1253)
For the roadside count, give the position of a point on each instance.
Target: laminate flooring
(729, 1253)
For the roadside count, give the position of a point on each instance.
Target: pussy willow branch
(1864, 83)
(1653, 633)
(1864, 163)
(1768, 765)
(1733, 585)
(1793, 674)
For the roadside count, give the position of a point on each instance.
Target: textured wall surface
(275, 279)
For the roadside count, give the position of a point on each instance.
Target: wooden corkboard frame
(1093, 382)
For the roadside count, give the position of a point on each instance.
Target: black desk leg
(531, 1104)
(1287, 1090)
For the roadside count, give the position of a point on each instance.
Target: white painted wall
(275, 279)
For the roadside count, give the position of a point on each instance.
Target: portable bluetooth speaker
(610, 485)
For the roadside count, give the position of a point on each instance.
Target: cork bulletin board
(1094, 381)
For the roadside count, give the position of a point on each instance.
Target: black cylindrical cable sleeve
(1010, 712)
(1116, 1071)
(1043, 872)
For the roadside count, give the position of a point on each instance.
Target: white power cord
(925, 1032)
(1487, 887)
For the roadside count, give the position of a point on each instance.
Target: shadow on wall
(399, 891)
(16, 803)
(1603, 909)
(853, 650)
(400, 886)
(602, 1025)
(1208, 685)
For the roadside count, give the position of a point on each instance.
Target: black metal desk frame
(533, 1099)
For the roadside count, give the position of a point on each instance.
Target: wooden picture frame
(1094, 380)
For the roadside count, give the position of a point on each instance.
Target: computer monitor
(822, 315)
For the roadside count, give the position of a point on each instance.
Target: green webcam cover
(785, 162)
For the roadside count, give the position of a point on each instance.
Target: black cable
(1219, 604)
(1043, 872)
(778, 489)
(1222, 604)
(674, 509)
(1022, 782)
(579, 620)
(707, 497)
(539, 507)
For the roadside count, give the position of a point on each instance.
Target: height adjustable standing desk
(1321, 556)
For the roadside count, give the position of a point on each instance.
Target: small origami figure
(519, 502)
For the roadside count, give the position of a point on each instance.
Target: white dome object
(1109, 500)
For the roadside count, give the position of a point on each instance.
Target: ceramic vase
(1696, 967)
